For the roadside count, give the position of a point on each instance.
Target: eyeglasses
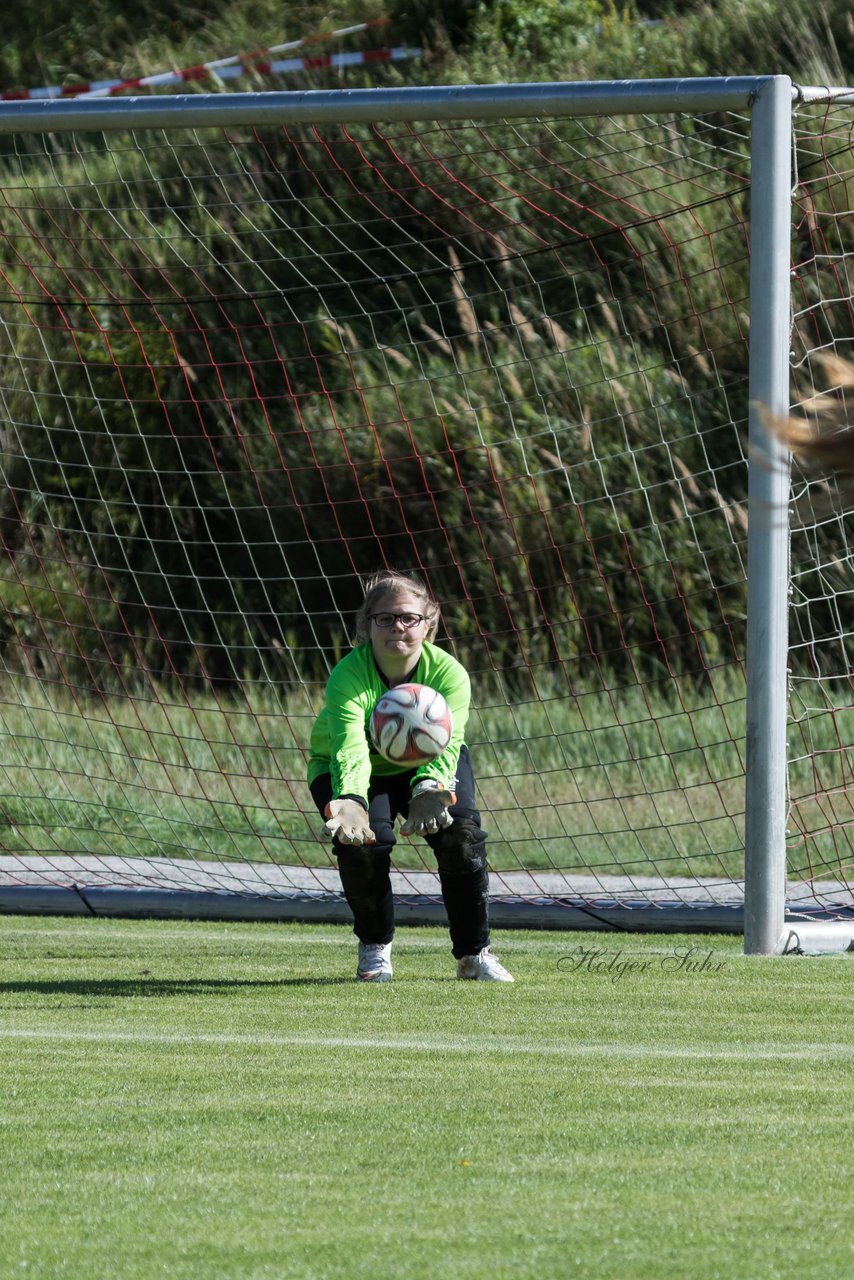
(407, 620)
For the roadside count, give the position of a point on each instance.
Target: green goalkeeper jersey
(340, 740)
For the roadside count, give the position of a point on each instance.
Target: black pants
(460, 857)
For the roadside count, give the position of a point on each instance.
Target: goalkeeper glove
(348, 823)
(428, 809)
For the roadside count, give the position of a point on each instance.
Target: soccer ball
(411, 724)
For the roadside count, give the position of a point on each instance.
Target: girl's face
(399, 644)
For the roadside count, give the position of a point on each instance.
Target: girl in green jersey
(361, 794)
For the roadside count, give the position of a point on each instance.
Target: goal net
(821, 657)
(244, 366)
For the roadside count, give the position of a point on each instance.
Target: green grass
(197, 1100)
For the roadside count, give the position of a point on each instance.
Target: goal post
(521, 339)
(766, 794)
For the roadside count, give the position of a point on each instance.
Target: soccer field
(189, 1100)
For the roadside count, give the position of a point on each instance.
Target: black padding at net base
(506, 911)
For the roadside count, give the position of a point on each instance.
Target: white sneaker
(374, 962)
(484, 967)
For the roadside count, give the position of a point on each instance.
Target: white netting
(821, 735)
(241, 367)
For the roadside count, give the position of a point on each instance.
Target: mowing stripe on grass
(264, 934)
(464, 1044)
(190, 934)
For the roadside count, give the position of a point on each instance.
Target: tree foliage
(191, 439)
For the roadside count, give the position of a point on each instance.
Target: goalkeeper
(360, 794)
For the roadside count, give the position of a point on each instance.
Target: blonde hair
(391, 582)
(824, 437)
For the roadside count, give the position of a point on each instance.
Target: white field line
(462, 1045)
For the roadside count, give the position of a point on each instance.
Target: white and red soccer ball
(411, 724)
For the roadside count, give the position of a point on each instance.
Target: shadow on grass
(158, 987)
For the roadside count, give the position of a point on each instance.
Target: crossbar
(348, 106)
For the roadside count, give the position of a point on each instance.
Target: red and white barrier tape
(231, 68)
